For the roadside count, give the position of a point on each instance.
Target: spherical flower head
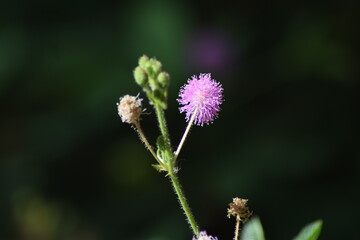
(201, 94)
(204, 236)
(129, 109)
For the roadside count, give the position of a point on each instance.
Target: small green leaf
(158, 167)
(253, 230)
(160, 142)
(160, 147)
(310, 231)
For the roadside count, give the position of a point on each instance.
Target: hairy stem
(162, 123)
(170, 162)
(236, 237)
(184, 205)
(146, 142)
(171, 173)
(168, 155)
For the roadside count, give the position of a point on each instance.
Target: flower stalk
(146, 142)
(239, 209)
(185, 134)
(237, 229)
(172, 173)
(201, 98)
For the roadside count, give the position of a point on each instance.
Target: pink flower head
(204, 236)
(203, 94)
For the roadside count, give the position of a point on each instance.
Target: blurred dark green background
(287, 138)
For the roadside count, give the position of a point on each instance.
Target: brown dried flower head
(129, 109)
(239, 209)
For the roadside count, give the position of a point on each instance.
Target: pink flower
(204, 236)
(202, 94)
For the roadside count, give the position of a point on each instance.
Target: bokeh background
(287, 138)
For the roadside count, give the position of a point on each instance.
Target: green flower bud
(156, 66)
(148, 67)
(164, 79)
(153, 84)
(140, 76)
(143, 60)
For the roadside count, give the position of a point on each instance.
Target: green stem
(184, 205)
(162, 123)
(171, 173)
(164, 132)
(145, 141)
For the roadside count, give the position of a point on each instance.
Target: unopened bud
(156, 66)
(129, 109)
(164, 79)
(140, 76)
(143, 60)
(148, 67)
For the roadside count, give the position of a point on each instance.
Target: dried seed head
(129, 109)
(239, 209)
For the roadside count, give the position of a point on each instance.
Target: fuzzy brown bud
(129, 109)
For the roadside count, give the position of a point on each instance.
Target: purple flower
(204, 236)
(203, 94)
